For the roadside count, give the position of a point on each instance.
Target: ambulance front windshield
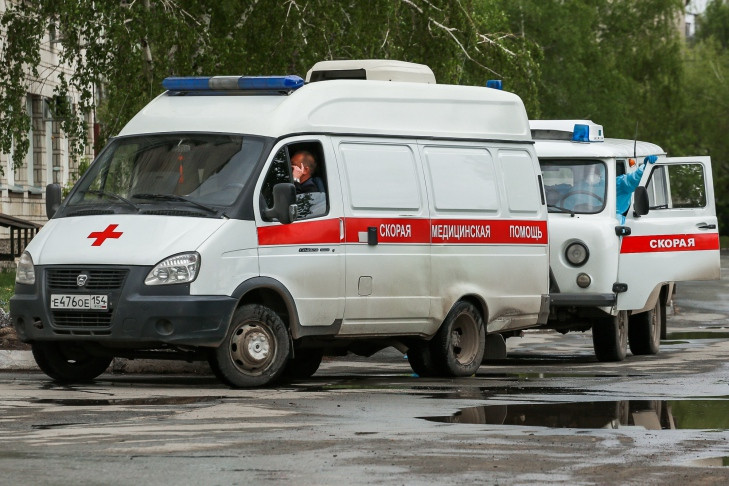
(574, 186)
(204, 171)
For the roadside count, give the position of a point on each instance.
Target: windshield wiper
(112, 195)
(560, 209)
(174, 197)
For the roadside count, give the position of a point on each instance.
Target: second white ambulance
(613, 273)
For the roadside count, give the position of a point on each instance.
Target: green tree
(127, 48)
(714, 23)
(613, 61)
(702, 125)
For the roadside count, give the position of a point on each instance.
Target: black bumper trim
(582, 300)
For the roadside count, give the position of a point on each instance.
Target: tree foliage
(621, 63)
(128, 47)
(613, 61)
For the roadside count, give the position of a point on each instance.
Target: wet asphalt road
(549, 413)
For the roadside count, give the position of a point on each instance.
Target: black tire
(255, 349)
(610, 337)
(644, 330)
(458, 347)
(303, 365)
(68, 362)
(421, 359)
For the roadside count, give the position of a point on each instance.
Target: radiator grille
(98, 279)
(82, 319)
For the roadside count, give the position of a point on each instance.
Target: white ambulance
(613, 273)
(186, 238)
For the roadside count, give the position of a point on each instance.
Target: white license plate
(79, 302)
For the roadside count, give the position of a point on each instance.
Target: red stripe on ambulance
(389, 230)
(456, 231)
(407, 230)
(666, 243)
(318, 232)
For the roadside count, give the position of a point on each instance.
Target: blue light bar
(587, 133)
(494, 83)
(186, 84)
(229, 83)
(270, 82)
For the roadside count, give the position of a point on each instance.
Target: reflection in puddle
(712, 461)
(94, 402)
(697, 335)
(646, 414)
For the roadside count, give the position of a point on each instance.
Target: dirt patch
(9, 340)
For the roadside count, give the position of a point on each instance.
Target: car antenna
(635, 143)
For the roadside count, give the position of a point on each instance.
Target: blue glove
(651, 159)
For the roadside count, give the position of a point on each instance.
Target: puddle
(697, 335)
(532, 376)
(646, 414)
(712, 461)
(95, 402)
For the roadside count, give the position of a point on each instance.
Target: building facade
(49, 158)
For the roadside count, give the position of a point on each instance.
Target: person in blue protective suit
(626, 185)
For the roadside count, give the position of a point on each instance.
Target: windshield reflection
(199, 171)
(574, 186)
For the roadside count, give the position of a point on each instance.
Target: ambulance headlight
(577, 254)
(176, 269)
(25, 274)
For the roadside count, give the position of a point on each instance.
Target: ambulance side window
(463, 179)
(310, 204)
(677, 186)
(687, 185)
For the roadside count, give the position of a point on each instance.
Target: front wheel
(644, 330)
(457, 349)
(610, 337)
(255, 350)
(68, 362)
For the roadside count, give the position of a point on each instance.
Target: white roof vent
(373, 69)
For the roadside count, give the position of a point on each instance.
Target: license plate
(79, 302)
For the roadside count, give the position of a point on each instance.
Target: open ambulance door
(678, 239)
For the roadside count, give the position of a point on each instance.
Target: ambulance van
(613, 276)
(186, 238)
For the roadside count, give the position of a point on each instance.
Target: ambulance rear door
(678, 239)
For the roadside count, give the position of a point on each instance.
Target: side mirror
(640, 201)
(284, 204)
(53, 199)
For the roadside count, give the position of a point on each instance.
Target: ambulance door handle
(341, 229)
(372, 235)
(706, 226)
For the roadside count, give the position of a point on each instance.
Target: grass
(7, 287)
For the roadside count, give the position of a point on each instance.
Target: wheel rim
(252, 348)
(464, 339)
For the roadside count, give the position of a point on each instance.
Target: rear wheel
(458, 347)
(255, 350)
(68, 362)
(644, 330)
(421, 359)
(610, 337)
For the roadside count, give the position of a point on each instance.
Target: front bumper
(138, 315)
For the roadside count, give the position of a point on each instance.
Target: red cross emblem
(101, 236)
